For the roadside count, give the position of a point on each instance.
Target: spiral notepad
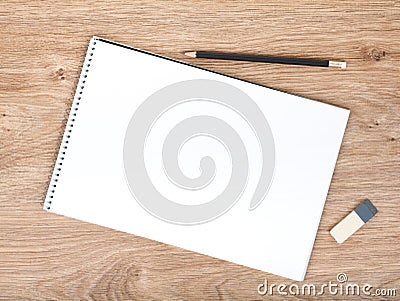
(196, 159)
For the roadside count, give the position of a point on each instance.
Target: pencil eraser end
(341, 65)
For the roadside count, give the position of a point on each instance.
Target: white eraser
(354, 221)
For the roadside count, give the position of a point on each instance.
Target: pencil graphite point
(190, 53)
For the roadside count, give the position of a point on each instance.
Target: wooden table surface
(44, 256)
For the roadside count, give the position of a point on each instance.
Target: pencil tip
(190, 53)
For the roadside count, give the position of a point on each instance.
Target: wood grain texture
(42, 45)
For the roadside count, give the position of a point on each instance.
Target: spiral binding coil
(70, 125)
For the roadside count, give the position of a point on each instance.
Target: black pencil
(265, 59)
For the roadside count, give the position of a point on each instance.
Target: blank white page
(192, 158)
